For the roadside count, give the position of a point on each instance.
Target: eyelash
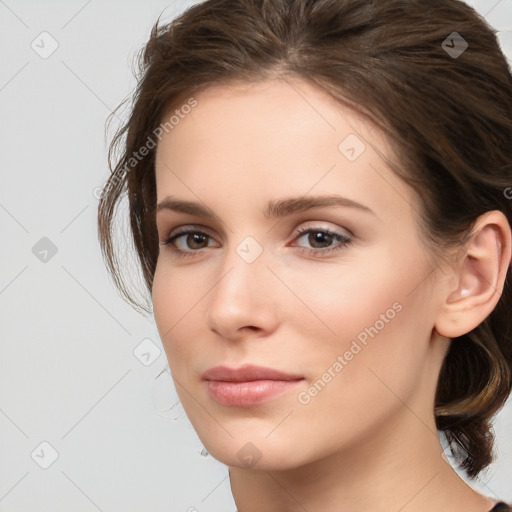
(343, 240)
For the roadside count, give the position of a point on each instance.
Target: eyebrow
(275, 209)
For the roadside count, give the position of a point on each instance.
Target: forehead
(271, 137)
(265, 106)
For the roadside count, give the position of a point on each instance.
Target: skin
(367, 440)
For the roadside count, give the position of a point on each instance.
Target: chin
(256, 452)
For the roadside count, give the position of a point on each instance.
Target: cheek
(363, 377)
(174, 298)
(375, 316)
(164, 301)
(341, 299)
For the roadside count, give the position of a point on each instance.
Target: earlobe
(480, 273)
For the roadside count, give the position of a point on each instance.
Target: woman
(319, 197)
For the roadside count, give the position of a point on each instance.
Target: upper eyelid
(314, 226)
(189, 227)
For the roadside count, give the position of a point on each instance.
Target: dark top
(501, 507)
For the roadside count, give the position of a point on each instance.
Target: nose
(243, 302)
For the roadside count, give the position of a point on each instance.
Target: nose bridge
(241, 296)
(242, 269)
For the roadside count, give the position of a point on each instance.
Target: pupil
(319, 237)
(196, 238)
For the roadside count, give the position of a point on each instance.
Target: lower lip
(246, 394)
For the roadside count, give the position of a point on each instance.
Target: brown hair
(448, 115)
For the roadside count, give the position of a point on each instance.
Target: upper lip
(246, 373)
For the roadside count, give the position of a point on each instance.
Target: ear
(477, 278)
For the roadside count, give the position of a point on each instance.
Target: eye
(321, 240)
(188, 241)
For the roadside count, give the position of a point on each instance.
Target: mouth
(247, 386)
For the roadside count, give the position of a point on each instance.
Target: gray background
(80, 371)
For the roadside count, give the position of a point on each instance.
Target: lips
(247, 373)
(247, 386)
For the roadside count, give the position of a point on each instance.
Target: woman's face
(340, 296)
